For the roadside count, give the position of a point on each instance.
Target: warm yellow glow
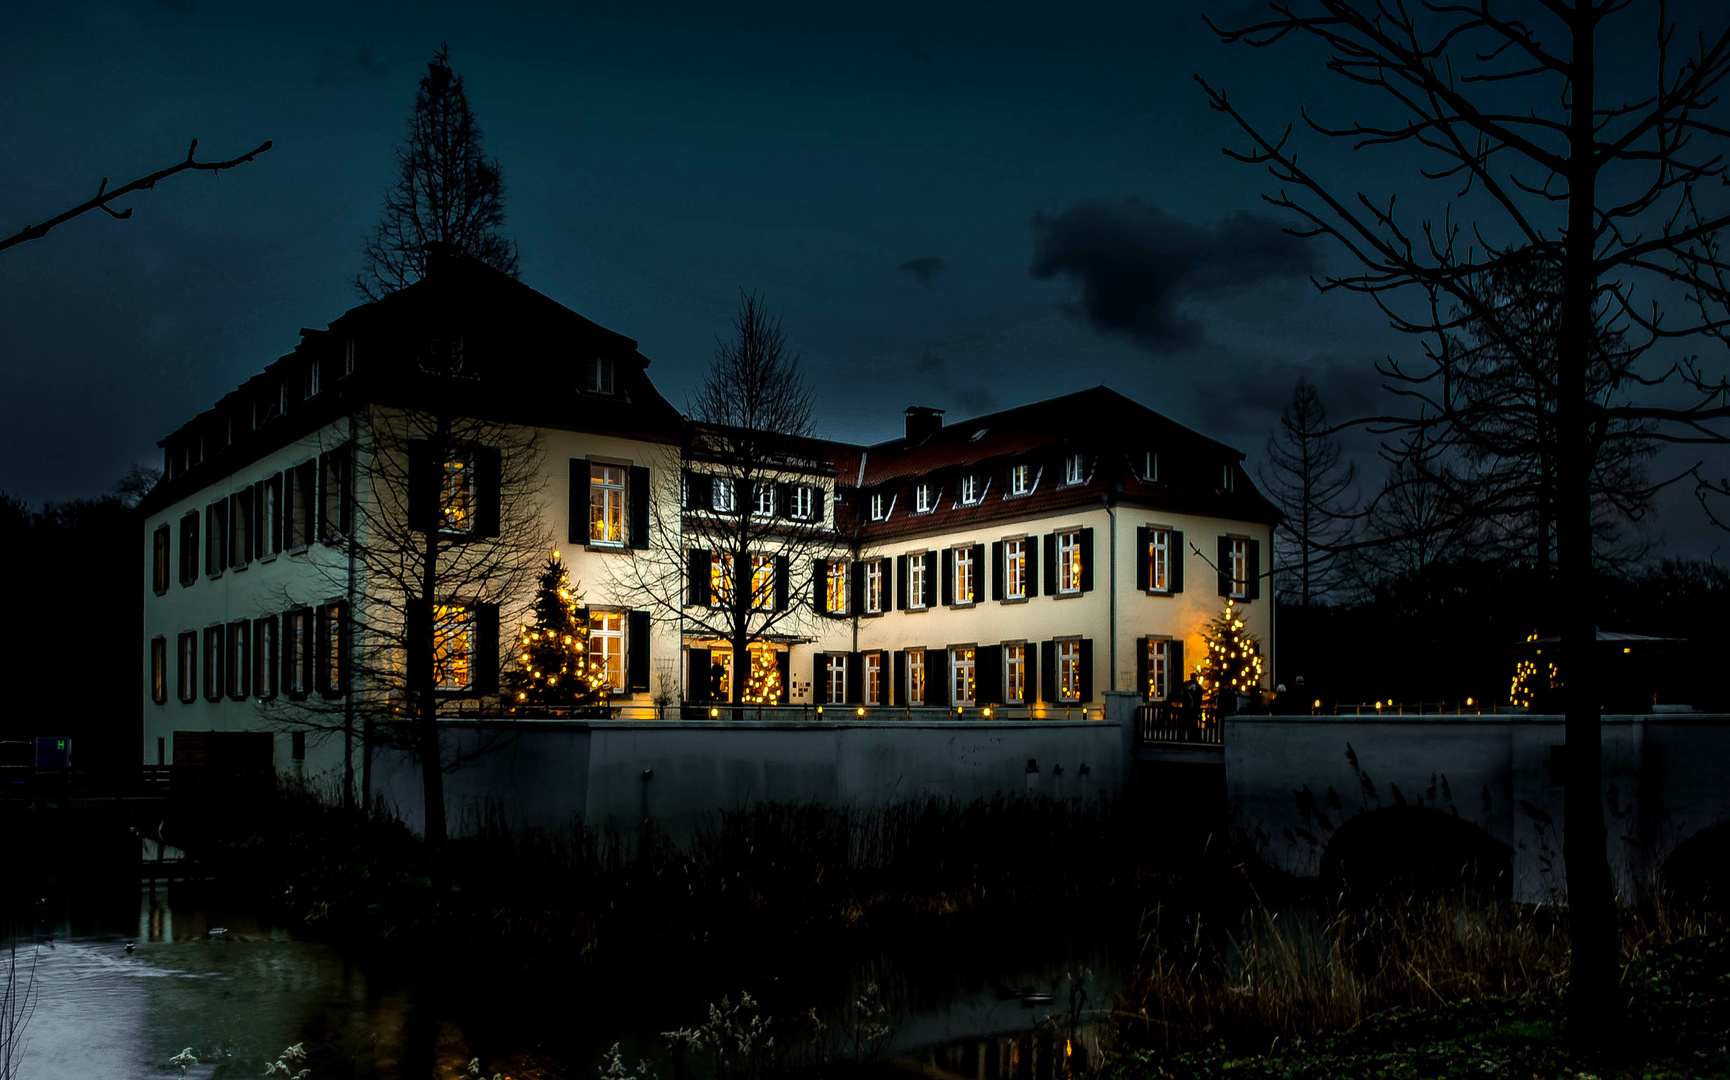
(861, 710)
(1470, 702)
(714, 712)
(1627, 650)
(988, 710)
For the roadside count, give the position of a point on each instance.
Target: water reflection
(212, 975)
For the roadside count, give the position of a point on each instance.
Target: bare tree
(17, 1002)
(1504, 108)
(448, 531)
(732, 555)
(104, 196)
(1306, 478)
(447, 191)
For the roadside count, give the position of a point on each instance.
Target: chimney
(922, 422)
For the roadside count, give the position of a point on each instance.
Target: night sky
(970, 208)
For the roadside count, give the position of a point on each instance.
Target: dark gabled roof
(1112, 432)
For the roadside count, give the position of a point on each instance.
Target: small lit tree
(763, 684)
(553, 668)
(1233, 664)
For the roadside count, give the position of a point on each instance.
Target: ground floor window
(835, 673)
(159, 670)
(721, 672)
(916, 676)
(1015, 674)
(297, 652)
(873, 678)
(1069, 671)
(453, 646)
(1158, 670)
(607, 646)
(961, 667)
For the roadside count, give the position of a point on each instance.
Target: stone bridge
(1300, 790)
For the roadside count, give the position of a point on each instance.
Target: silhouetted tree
(1306, 478)
(447, 191)
(1608, 198)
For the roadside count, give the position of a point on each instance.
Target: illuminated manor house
(1027, 561)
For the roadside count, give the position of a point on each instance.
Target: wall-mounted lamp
(647, 773)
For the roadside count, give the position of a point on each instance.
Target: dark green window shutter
(930, 579)
(1141, 650)
(948, 578)
(579, 531)
(820, 678)
(996, 569)
(424, 475)
(1174, 560)
(1030, 574)
(699, 491)
(784, 665)
(1223, 552)
(487, 646)
(639, 506)
(855, 678)
(637, 652)
(819, 586)
(488, 471)
(1252, 587)
(988, 675)
(697, 563)
(1143, 560)
(1174, 672)
(1086, 560)
(856, 587)
(1050, 564)
(699, 684)
(900, 583)
(817, 494)
(898, 688)
(1047, 670)
(782, 583)
(1086, 669)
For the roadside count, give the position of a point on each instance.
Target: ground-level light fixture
(714, 712)
(861, 710)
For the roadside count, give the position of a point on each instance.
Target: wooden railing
(1168, 722)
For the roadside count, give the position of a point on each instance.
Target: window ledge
(965, 604)
(1166, 594)
(1014, 600)
(301, 550)
(1070, 595)
(608, 546)
(920, 610)
(267, 558)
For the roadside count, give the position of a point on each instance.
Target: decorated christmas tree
(763, 684)
(553, 669)
(1233, 664)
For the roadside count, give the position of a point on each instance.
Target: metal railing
(1169, 722)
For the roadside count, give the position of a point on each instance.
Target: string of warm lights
(763, 683)
(1234, 661)
(554, 666)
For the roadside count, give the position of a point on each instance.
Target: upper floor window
(161, 541)
(916, 571)
(1020, 479)
(964, 575)
(924, 497)
(1237, 565)
(457, 494)
(874, 586)
(314, 375)
(763, 581)
(159, 669)
(804, 503)
(607, 646)
(1073, 469)
(1228, 478)
(763, 498)
(606, 504)
(1159, 560)
(879, 507)
(216, 538)
(721, 579)
(334, 517)
(835, 587)
(970, 489)
(1015, 674)
(1015, 569)
(240, 529)
(1150, 467)
(598, 378)
(1069, 563)
(348, 358)
(270, 517)
(189, 548)
(722, 495)
(299, 512)
(453, 646)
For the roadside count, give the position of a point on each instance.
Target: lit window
(835, 590)
(1159, 560)
(723, 682)
(721, 580)
(836, 669)
(1158, 671)
(874, 678)
(453, 647)
(804, 502)
(606, 504)
(924, 497)
(1150, 467)
(1069, 562)
(1239, 568)
(874, 586)
(607, 646)
(879, 507)
(964, 575)
(722, 495)
(1015, 674)
(763, 581)
(186, 684)
(1015, 569)
(764, 499)
(961, 667)
(599, 375)
(159, 670)
(916, 580)
(915, 676)
(1020, 479)
(1072, 469)
(1069, 671)
(970, 489)
(332, 646)
(457, 497)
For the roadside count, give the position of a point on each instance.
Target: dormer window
(348, 358)
(879, 507)
(1073, 469)
(1020, 479)
(924, 497)
(1228, 481)
(312, 377)
(970, 489)
(1150, 467)
(598, 378)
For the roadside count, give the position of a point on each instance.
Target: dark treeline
(83, 605)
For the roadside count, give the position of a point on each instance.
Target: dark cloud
(925, 268)
(918, 54)
(952, 380)
(342, 69)
(1137, 265)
